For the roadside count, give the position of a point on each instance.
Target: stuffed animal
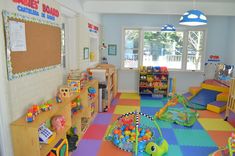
(58, 122)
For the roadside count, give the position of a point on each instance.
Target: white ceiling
(174, 7)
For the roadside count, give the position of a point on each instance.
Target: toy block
(215, 88)
(74, 85)
(216, 106)
(194, 90)
(222, 97)
(65, 91)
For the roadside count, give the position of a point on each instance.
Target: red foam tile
(220, 137)
(114, 118)
(208, 114)
(232, 122)
(118, 95)
(129, 102)
(95, 132)
(107, 148)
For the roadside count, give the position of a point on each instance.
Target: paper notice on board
(17, 36)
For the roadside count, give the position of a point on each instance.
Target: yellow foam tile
(215, 108)
(215, 124)
(134, 96)
(194, 90)
(125, 109)
(222, 97)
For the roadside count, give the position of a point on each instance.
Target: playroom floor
(203, 138)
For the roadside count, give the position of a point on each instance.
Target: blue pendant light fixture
(168, 28)
(193, 18)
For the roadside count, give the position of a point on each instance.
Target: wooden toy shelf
(25, 135)
(111, 78)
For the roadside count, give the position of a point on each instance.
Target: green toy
(182, 116)
(154, 150)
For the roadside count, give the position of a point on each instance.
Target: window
(180, 50)
(63, 46)
(163, 49)
(131, 48)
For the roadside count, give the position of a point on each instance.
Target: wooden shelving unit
(111, 78)
(25, 135)
(154, 81)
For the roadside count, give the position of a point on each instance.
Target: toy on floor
(72, 138)
(182, 116)
(60, 149)
(137, 132)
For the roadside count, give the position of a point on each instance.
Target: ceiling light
(193, 18)
(168, 28)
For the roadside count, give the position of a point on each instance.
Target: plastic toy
(46, 136)
(74, 84)
(182, 116)
(137, 132)
(45, 107)
(91, 92)
(72, 138)
(30, 117)
(58, 98)
(65, 91)
(58, 122)
(60, 149)
(35, 109)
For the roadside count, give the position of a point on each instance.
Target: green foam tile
(151, 103)
(164, 124)
(193, 137)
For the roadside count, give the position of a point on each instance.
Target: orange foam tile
(129, 102)
(208, 114)
(108, 148)
(220, 137)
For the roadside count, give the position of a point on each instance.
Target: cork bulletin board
(43, 46)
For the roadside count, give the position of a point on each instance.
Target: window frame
(184, 55)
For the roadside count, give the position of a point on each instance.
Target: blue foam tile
(196, 125)
(164, 124)
(146, 97)
(169, 136)
(174, 150)
(197, 151)
(149, 110)
(151, 103)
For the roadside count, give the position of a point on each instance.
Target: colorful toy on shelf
(60, 149)
(182, 116)
(35, 109)
(58, 122)
(46, 106)
(91, 92)
(137, 132)
(76, 105)
(58, 98)
(65, 91)
(30, 117)
(74, 84)
(46, 136)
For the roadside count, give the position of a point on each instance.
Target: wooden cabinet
(25, 135)
(111, 81)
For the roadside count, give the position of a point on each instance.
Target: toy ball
(121, 136)
(116, 141)
(116, 131)
(127, 132)
(58, 122)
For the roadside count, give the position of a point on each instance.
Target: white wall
(216, 44)
(17, 95)
(230, 57)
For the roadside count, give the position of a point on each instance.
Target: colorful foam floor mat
(208, 133)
